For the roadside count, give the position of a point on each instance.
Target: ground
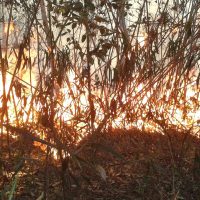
(115, 165)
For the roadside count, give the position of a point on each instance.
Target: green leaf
(13, 188)
(89, 5)
(78, 6)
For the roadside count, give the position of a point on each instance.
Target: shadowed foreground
(115, 165)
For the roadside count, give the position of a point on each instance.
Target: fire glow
(72, 107)
(141, 105)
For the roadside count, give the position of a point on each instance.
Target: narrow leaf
(102, 172)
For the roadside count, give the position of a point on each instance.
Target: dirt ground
(115, 165)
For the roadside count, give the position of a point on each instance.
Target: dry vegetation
(116, 165)
(79, 79)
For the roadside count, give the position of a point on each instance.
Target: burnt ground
(119, 165)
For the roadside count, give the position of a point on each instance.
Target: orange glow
(142, 39)
(144, 109)
(67, 107)
(11, 27)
